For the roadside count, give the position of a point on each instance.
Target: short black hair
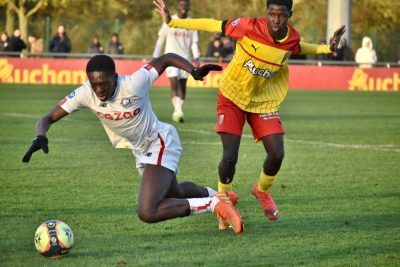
(286, 3)
(101, 63)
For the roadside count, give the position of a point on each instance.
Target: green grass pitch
(338, 190)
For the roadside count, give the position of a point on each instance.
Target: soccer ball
(54, 239)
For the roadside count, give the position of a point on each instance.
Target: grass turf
(338, 189)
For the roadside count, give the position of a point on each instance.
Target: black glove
(200, 73)
(40, 142)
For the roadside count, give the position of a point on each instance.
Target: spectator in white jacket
(366, 55)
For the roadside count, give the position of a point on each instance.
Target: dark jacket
(96, 49)
(58, 45)
(115, 48)
(17, 44)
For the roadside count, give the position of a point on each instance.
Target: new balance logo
(249, 64)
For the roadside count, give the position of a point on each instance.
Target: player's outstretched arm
(174, 60)
(307, 49)
(42, 126)
(208, 25)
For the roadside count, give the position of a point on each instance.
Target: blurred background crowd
(130, 27)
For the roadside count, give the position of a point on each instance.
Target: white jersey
(127, 116)
(178, 41)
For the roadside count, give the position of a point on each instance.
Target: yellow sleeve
(208, 25)
(306, 49)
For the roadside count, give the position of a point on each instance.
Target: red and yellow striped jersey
(257, 77)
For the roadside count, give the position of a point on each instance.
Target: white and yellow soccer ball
(54, 238)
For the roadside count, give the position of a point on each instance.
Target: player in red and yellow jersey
(253, 86)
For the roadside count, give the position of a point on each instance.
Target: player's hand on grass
(336, 38)
(163, 9)
(40, 142)
(200, 73)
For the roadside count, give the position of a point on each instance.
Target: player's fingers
(159, 8)
(215, 67)
(27, 156)
(45, 149)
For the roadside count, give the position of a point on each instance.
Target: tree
(24, 10)
(10, 18)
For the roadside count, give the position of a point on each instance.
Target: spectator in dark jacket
(95, 46)
(345, 52)
(114, 46)
(16, 43)
(5, 43)
(60, 43)
(216, 48)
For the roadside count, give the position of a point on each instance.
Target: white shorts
(165, 151)
(175, 72)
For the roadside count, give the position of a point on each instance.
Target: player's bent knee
(277, 156)
(147, 217)
(228, 162)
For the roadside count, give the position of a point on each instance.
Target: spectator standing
(345, 52)
(95, 47)
(16, 43)
(36, 45)
(229, 47)
(366, 55)
(60, 43)
(114, 46)
(5, 43)
(216, 48)
(178, 41)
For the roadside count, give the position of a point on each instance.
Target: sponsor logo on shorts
(269, 116)
(148, 154)
(221, 119)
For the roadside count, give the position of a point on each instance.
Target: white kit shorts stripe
(165, 151)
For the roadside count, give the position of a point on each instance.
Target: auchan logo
(42, 75)
(361, 81)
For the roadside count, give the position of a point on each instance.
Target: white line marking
(30, 116)
(19, 115)
(381, 147)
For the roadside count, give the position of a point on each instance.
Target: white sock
(178, 104)
(181, 101)
(202, 205)
(175, 103)
(211, 192)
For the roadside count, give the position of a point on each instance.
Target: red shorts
(230, 119)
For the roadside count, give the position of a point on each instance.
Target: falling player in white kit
(181, 42)
(123, 106)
